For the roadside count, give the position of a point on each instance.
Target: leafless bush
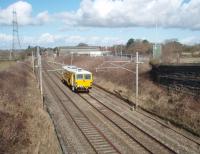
(171, 52)
(12, 132)
(13, 84)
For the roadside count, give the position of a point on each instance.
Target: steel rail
(126, 121)
(153, 138)
(98, 130)
(103, 89)
(128, 102)
(122, 99)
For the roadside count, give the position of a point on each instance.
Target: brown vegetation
(24, 126)
(172, 50)
(19, 55)
(6, 64)
(180, 108)
(12, 94)
(143, 47)
(4, 54)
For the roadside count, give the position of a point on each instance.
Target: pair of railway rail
(141, 110)
(98, 141)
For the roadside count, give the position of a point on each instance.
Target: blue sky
(99, 22)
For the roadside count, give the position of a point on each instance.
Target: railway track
(145, 113)
(124, 125)
(191, 144)
(98, 141)
(136, 134)
(142, 111)
(173, 147)
(127, 127)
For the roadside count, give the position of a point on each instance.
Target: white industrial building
(92, 51)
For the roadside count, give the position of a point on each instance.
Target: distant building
(82, 50)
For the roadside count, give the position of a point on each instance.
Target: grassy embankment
(24, 126)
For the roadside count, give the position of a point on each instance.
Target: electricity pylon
(15, 36)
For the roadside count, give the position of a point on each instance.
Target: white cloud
(190, 40)
(5, 37)
(113, 13)
(46, 38)
(24, 14)
(128, 13)
(42, 18)
(52, 40)
(92, 40)
(75, 39)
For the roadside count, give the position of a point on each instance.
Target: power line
(113, 64)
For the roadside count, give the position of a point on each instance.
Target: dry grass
(6, 64)
(12, 132)
(4, 54)
(190, 60)
(24, 126)
(179, 108)
(12, 93)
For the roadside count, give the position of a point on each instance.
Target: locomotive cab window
(79, 76)
(87, 76)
